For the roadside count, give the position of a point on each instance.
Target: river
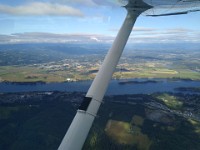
(131, 86)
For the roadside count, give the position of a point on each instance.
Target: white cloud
(93, 3)
(112, 3)
(79, 2)
(95, 39)
(40, 8)
(37, 37)
(165, 36)
(142, 35)
(142, 29)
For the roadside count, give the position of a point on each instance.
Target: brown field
(137, 120)
(124, 133)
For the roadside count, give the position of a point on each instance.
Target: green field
(34, 74)
(56, 63)
(169, 100)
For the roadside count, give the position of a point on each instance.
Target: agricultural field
(124, 133)
(170, 100)
(60, 63)
(39, 120)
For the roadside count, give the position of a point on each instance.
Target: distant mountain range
(23, 54)
(15, 54)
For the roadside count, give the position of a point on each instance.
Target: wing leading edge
(176, 13)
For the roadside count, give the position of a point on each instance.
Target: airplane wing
(176, 13)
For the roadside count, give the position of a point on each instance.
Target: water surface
(161, 85)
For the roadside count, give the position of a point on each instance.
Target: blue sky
(87, 20)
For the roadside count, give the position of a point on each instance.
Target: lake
(131, 86)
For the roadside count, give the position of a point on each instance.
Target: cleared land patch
(124, 133)
(170, 101)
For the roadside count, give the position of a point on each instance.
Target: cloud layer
(53, 7)
(175, 35)
(90, 3)
(40, 8)
(139, 35)
(37, 37)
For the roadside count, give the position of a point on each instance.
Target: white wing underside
(165, 7)
(171, 7)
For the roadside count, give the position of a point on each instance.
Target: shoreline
(122, 81)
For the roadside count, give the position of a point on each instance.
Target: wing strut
(82, 122)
